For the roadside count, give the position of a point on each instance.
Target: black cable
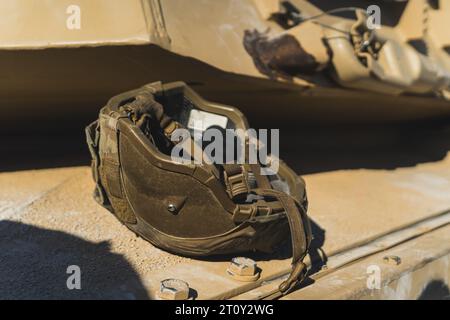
(337, 10)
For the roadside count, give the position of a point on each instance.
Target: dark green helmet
(188, 208)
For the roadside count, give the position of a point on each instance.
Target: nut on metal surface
(243, 269)
(392, 260)
(174, 289)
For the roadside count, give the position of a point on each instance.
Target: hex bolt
(172, 208)
(174, 289)
(392, 260)
(243, 269)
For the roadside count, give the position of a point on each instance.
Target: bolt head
(241, 266)
(174, 289)
(172, 208)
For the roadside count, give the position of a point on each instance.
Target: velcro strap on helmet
(109, 153)
(110, 167)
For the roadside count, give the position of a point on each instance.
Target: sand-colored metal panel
(20, 189)
(219, 41)
(36, 24)
(122, 45)
(348, 208)
(423, 272)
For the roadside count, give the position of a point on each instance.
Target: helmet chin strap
(301, 236)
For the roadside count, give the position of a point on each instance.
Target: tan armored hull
(61, 58)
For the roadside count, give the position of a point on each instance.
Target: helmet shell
(181, 208)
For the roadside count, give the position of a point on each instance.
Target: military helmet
(189, 208)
